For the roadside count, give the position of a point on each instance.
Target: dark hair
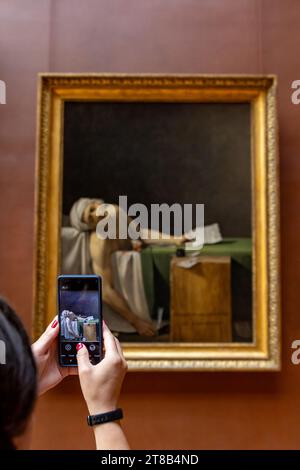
(18, 377)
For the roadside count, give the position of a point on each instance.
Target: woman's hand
(101, 384)
(46, 357)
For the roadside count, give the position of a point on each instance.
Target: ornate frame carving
(53, 90)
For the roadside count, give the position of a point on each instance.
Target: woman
(27, 372)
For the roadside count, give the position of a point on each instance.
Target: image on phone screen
(79, 302)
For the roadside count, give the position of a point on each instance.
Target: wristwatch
(102, 418)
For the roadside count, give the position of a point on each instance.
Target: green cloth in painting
(159, 258)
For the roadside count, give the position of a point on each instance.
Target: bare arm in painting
(154, 237)
(101, 251)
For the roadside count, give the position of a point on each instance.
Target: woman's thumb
(83, 359)
(48, 337)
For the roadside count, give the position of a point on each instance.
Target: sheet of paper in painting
(188, 263)
(212, 235)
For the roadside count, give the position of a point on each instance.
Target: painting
(166, 187)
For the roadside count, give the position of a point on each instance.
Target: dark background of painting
(184, 153)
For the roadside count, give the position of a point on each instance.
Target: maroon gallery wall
(163, 410)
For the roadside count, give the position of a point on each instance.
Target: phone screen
(79, 304)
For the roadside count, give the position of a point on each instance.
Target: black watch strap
(102, 418)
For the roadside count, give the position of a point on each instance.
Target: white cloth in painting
(75, 250)
(128, 282)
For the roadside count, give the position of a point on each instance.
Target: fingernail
(54, 324)
(103, 323)
(79, 346)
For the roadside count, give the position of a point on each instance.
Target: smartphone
(80, 317)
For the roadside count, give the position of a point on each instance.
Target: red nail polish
(54, 324)
(79, 346)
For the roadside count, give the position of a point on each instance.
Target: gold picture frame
(53, 90)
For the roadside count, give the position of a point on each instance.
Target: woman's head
(18, 377)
